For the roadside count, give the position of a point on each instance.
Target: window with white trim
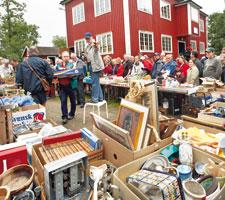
(78, 13)
(165, 10)
(202, 47)
(145, 6)
(79, 46)
(193, 45)
(106, 43)
(194, 14)
(202, 25)
(102, 7)
(167, 43)
(146, 41)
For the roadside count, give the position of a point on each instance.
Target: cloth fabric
(212, 68)
(79, 92)
(6, 71)
(120, 70)
(137, 69)
(64, 93)
(28, 80)
(183, 68)
(199, 65)
(156, 68)
(128, 65)
(170, 67)
(39, 98)
(93, 57)
(108, 70)
(97, 94)
(147, 64)
(193, 76)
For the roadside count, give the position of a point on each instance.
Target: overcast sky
(51, 20)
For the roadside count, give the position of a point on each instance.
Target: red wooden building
(134, 26)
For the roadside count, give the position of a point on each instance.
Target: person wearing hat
(157, 65)
(95, 62)
(212, 67)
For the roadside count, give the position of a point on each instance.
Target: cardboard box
(120, 175)
(211, 118)
(28, 114)
(119, 155)
(38, 161)
(189, 122)
(13, 155)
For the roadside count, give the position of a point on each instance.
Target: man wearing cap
(157, 65)
(212, 67)
(95, 61)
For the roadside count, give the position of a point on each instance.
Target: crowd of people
(187, 68)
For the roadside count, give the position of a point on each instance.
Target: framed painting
(117, 133)
(133, 118)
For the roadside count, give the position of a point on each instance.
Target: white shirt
(6, 71)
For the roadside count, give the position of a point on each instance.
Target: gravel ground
(54, 113)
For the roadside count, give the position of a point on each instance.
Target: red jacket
(183, 68)
(108, 70)
(120, 70)
(147, 64)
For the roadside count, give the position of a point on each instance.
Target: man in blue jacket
(157, 66)
(170, 66)
(29, 81)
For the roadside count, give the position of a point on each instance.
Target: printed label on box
(29, 116)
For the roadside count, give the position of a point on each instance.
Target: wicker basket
(18, 178)
(4, 193)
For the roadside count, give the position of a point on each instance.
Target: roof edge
(63, 2)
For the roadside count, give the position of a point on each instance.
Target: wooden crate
(210, 118)
(6, 126)
(40, 158)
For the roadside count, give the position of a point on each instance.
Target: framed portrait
(117, 133)
(133, 118)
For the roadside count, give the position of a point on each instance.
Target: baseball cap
(156, 54)
(210, 49)
(87, 35)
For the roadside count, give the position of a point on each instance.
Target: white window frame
(196, 30)
(146, 32)
(202, 25)
(75, 17)
(193, 16)
(165, 3)
(142, 9)
(97, 39)
(168, 36)
(202, 50)
(77, 41)
(195, 42)
(105, 11)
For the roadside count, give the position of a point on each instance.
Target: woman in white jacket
(137, 67)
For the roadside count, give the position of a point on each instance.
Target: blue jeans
(65, 92)
(96, 94)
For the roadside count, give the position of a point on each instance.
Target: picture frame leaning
(133, 117)
(115, 132)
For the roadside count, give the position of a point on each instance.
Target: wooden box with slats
(56, 148)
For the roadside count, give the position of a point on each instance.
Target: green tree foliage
(59, 41)
(217, 31)
(15, 33)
